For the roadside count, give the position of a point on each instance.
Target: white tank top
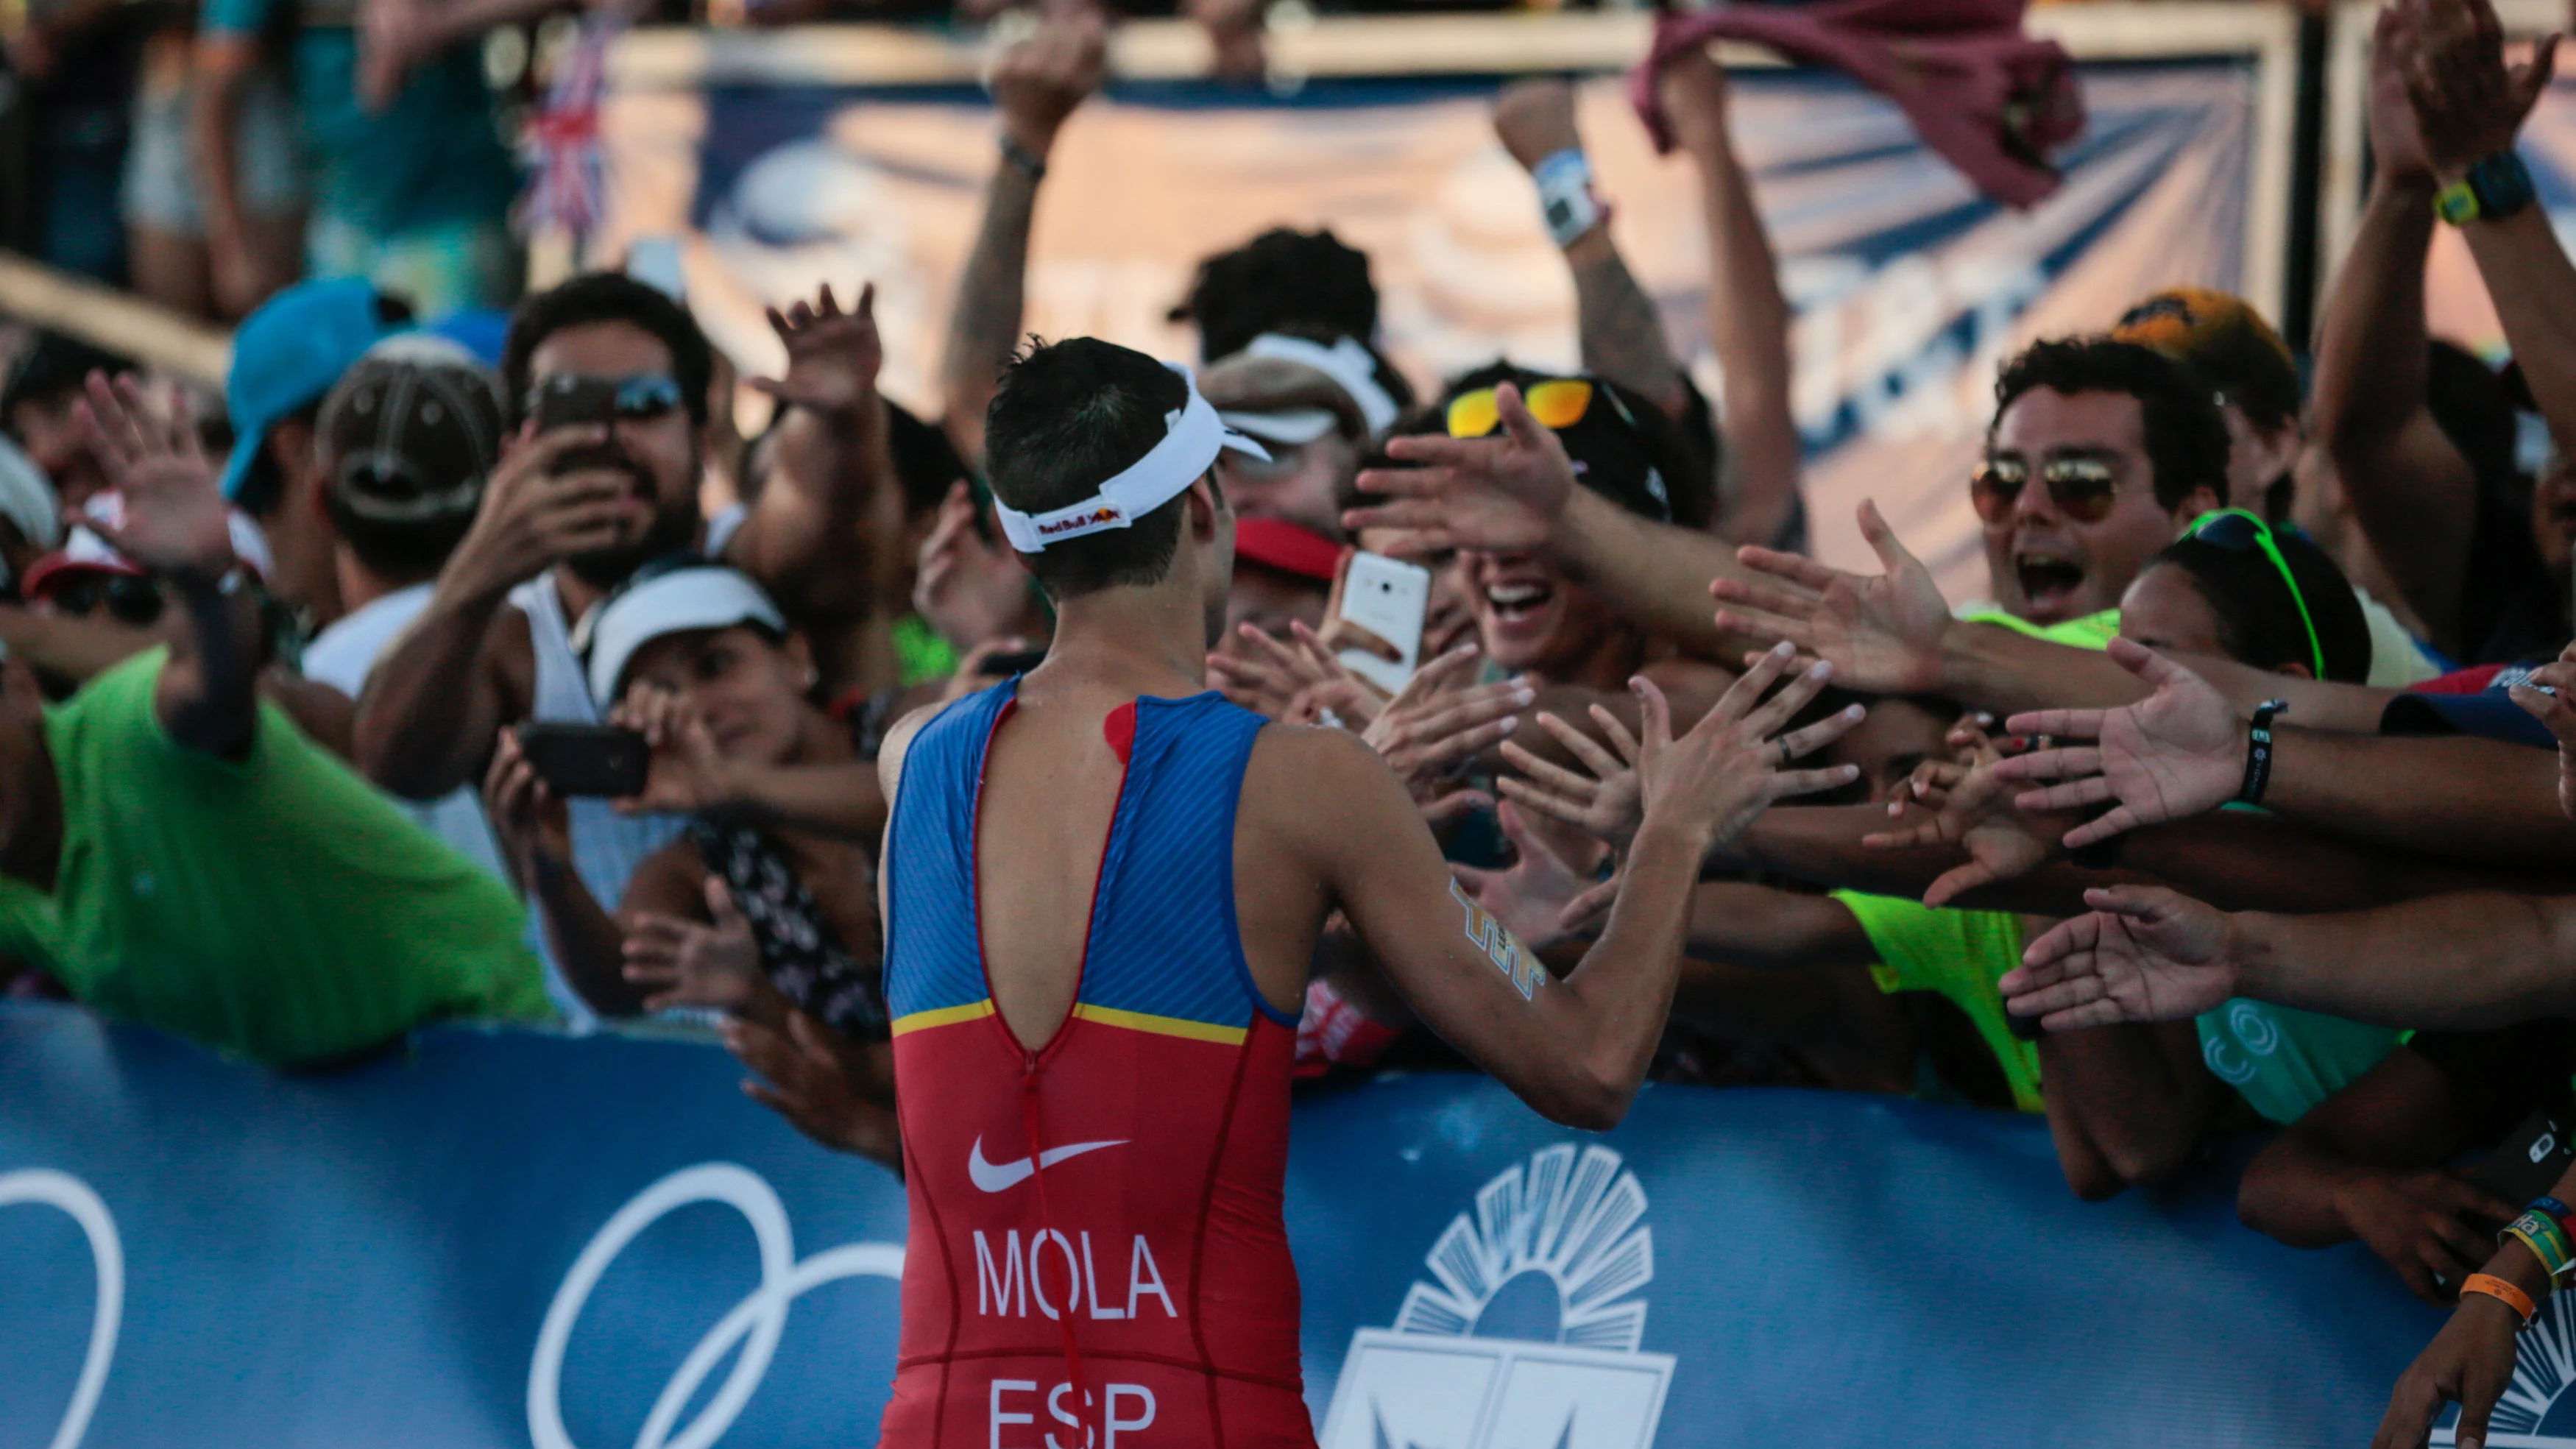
(606, 847)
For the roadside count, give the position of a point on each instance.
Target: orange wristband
(2497, 1288)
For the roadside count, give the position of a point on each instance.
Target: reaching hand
(2175, 754)
(1605, 804)
(530, 821)
(1883, 635)
(687, 963)
(1532, 895)
(171, 518)
(1502, 493)
(1433, 726)
(2470, 1363)
(967, 589)
(1978, 814)
(1534, 119)
(2396, 144)
(809, 1073)
(2144, 953)
(1714, 780)
(2468, 103)
(1291, 680)
(2416, 1222)
(832, 356)
(2546, 696)
(1038, 81)
(686, 774)
(1691, 88)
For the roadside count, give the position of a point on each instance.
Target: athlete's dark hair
(607, 297)
(2258, 621)
(1279, 280)
(2186, 437)
(1068, 417)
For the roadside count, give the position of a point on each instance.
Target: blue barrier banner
(1908, 286)
(508, 1239)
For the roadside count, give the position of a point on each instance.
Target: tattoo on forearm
(1622, 333)
(1500, 946)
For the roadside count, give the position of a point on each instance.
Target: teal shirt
(431, 158)
(2284, 1061)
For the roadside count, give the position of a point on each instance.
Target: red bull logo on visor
(1097, 518)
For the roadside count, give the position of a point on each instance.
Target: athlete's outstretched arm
(1574, 1049)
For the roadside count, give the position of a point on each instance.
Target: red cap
(1286, 547)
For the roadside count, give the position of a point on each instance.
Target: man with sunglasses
(611, 381)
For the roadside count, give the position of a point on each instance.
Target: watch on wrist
(2493, 189)
(2258, 752)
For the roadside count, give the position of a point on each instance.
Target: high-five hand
(1502, 493)
(2175, 754)
(2143, 954)
(1883, 635)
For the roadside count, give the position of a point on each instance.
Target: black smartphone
(585, 759)
(2530, 1160)
(568, 400)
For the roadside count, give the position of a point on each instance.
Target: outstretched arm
(822, 535)
(1748, 317)
(2467, 961)
(1575, 1049)
(1037, 83)
(2413, 492)
(1622, 336)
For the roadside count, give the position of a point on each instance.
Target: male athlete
(1102, 888)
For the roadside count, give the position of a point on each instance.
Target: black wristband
(2258, 752)
(1022, 159)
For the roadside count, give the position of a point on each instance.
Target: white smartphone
(1387, 597)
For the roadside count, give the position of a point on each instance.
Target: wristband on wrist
(1022, 159)
(2495, 188)
(2503, 1292)
(1565, 200)
(2545, 1238)
(2554, 1208)
(2258, 752)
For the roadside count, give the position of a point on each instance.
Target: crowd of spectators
(419, 685)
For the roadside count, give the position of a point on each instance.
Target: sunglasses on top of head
(2084, 489)
(2239, 531)
(1559, 402)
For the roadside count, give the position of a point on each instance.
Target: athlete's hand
(1714, 780)
(2144, 953)
(2174, 754)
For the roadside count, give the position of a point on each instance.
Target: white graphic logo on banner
(755, 1323)
(2545, 1366)
(45, 1186)
(1528, 1336)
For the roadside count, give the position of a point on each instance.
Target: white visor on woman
(1193, 436)
(702, 596)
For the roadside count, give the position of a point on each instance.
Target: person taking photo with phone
(764, 908)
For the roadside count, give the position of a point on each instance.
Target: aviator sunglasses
(2084, 489)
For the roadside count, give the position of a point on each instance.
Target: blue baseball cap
(288, 353)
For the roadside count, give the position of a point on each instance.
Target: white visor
(705, 596)
(1346, 362)
(1193, 436)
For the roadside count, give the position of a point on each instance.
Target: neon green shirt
(1960, 954)
(276, 907)
(2093, 631)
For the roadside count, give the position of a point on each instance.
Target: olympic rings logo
(107, 1254)
(755, 1323)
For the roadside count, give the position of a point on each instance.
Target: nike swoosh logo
(999, 1176)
